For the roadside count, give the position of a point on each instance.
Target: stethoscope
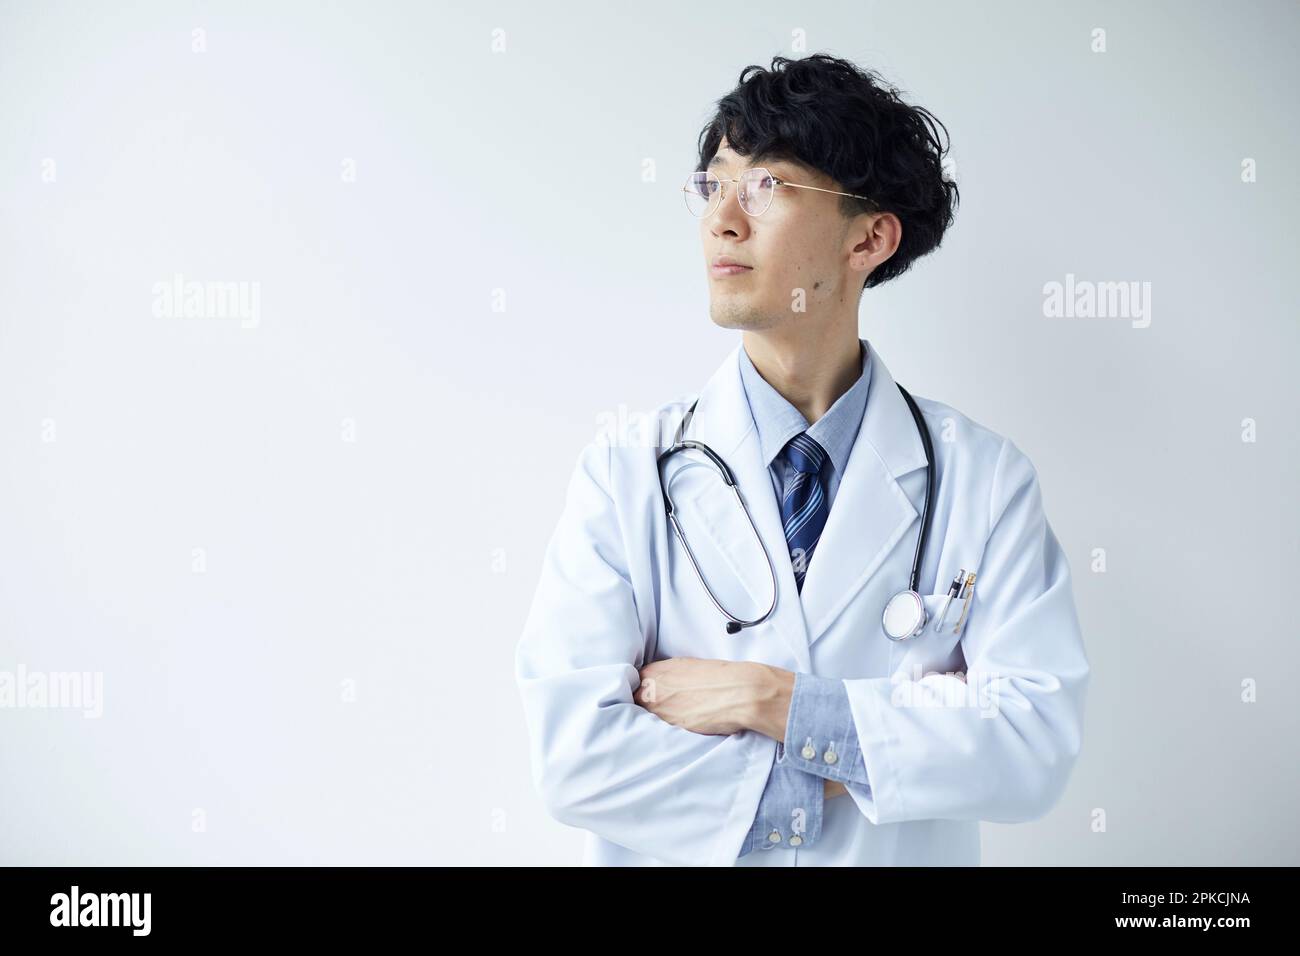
(904, 615)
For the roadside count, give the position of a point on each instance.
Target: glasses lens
(701, 191)
(756, 188)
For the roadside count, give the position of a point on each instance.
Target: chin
(735, 315)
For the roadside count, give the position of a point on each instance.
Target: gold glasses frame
(721, 192)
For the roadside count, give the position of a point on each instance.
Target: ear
(873, 238)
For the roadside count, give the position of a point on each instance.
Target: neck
(810, 371)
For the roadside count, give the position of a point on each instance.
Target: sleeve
(790, 811)
(820, 733)
(1000, 745)
(599, 760)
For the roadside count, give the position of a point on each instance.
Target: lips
(726, 266)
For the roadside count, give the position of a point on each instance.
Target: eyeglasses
(704, 191)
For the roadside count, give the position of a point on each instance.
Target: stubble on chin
(731, 315)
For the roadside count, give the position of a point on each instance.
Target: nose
(728, 217)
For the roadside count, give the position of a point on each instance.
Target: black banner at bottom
(928, 906)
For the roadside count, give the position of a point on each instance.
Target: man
(807, 737)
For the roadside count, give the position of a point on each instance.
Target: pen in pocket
(952, 593)
(968, 593)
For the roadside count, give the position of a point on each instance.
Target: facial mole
(816, 286)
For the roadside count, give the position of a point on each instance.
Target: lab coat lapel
(870, 514)
(725, 423)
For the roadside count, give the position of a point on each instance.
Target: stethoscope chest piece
(904, 616)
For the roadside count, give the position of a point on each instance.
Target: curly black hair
(847, 122)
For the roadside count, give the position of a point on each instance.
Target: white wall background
(404, 560)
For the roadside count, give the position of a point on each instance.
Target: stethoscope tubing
(915, 580)
(735, 624)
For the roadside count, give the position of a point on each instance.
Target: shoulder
(977, 456)
(951, 427)
(625, 444)
(977, 440)
(630, 436)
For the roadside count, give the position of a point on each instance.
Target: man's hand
(708, 696)
(721, 697)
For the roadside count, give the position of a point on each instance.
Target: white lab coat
(617, 591)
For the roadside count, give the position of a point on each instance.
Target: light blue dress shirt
(820, 730)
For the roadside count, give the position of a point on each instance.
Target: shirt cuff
(820, 736)
(789, 813)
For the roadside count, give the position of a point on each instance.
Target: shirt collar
(778, 421)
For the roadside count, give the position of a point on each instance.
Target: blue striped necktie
(804, 507)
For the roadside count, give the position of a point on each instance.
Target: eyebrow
(719, 160)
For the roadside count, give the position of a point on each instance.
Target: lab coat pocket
(930, 648)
